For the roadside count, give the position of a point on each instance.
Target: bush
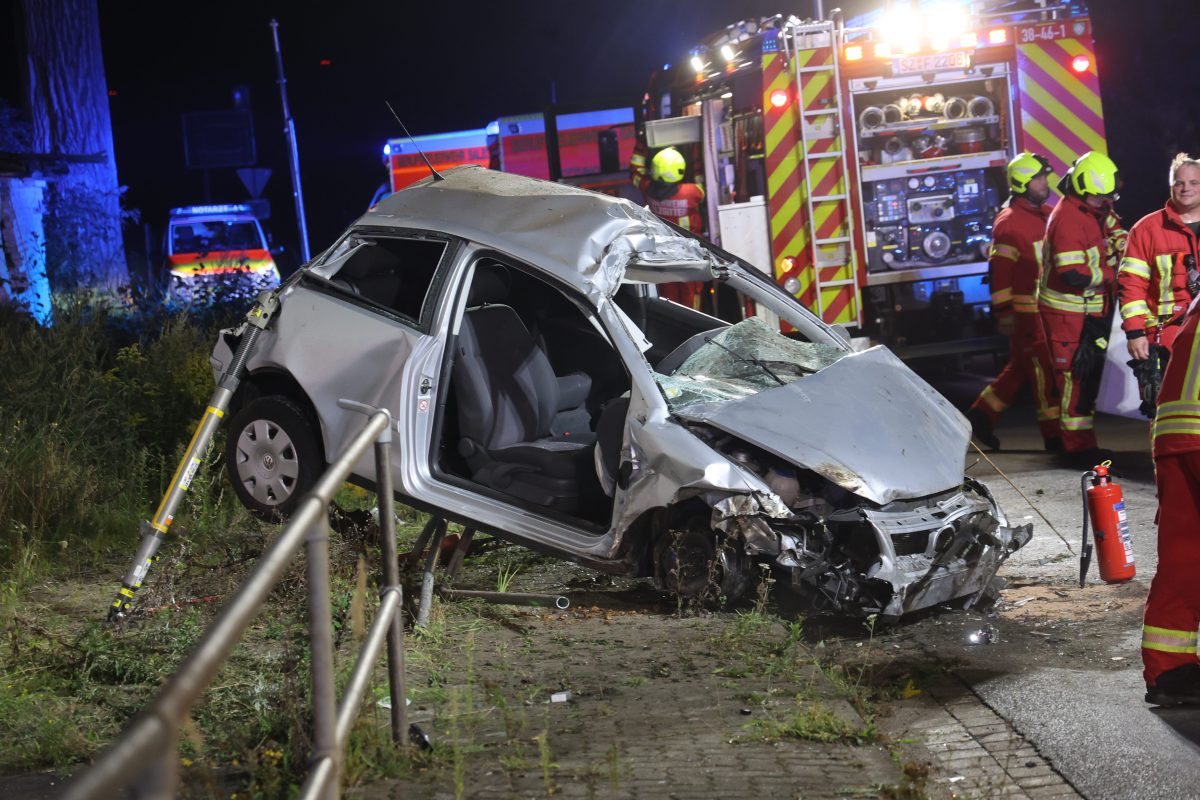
(95, 412)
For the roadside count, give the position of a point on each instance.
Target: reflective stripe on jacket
(1177, 424)
(1076, 242)
(1016, 254)
(638, 170)
(1152, 281)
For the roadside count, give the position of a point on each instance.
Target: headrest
(490, 285)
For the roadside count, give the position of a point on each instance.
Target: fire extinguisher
(1104, 503)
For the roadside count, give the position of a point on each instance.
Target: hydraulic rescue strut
(155, 530)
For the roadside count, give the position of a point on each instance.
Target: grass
(505, 575)
(812, 721)
(97, 410)
(93, 419)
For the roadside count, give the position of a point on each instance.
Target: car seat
(610, 433)
(509, 399)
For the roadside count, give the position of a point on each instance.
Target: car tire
(273, 456)
(699, 565)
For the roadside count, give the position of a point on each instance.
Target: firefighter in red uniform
(1080, 256)
(1158, 276)
(1173, 608)
(1015, 266)
(667, 195)
(676, 202)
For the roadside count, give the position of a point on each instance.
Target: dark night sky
(443, 66)
(448, 66)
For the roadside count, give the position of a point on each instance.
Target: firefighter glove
(1089, 356)
(1076, 279)
(1149, 374)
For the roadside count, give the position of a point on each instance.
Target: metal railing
(145, 757)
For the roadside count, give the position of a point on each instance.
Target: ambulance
(214, 252)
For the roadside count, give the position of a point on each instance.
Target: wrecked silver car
(545, 390)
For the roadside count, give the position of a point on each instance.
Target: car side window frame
(323, 274)
(569, 292)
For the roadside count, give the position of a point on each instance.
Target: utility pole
(289, 131)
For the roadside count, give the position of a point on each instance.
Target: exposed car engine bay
(846, 554)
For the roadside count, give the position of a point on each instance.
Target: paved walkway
(657, 710)
(974, 752)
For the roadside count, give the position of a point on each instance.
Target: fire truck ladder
(818, 125)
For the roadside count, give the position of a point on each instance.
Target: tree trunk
(68, 101)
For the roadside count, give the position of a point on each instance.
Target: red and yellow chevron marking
(818, 93)
(817, 57)
(818, 88)
(220, 262)
(785, 184)
(808, 288)
(843, 272)
(840, 305)
(826, 178)
(790, 230)
(1060, 108)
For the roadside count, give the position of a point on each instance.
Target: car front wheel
(701, 566)
(273, 456)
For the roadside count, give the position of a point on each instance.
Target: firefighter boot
(1176, 687)
(981, 427)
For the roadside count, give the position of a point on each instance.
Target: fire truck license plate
(959, 59)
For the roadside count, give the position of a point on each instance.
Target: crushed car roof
(585, 238)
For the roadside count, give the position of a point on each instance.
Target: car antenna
(437, 176)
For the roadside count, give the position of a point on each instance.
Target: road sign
(254, 179)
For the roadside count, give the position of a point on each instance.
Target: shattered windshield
(743, 360)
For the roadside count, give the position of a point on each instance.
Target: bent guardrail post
(381, 628)
(320, 634)
(391, 596)
(391, 588)
(161, 776)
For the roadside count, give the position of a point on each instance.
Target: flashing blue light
(591, 119)
(475, 137)
(218, 208)
(493, 128)
(666, 67)
(387, 149)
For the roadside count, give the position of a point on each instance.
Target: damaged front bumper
(889, 561)
(959, 557)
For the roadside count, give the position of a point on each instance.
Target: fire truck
(862, 162)
(588, 148)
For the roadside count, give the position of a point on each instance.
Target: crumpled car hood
(867, 423)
